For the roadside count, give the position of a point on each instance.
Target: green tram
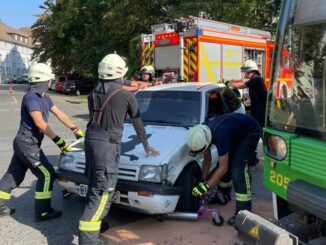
(295, 131)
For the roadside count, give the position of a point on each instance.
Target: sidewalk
(178, 232)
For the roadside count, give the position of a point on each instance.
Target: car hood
(165, 139)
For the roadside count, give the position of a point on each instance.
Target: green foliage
(76, 34)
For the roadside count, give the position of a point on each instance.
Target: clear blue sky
(19, 13)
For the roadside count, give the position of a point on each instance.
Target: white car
(163, 184)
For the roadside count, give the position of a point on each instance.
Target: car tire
(77, 92)
(188, 179)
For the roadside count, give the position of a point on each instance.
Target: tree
(76, 34)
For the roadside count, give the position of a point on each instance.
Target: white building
(15, 52)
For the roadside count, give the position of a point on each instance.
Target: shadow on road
(82, 116)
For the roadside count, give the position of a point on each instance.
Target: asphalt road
(21, 228)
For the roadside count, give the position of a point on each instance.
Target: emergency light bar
(164, 39)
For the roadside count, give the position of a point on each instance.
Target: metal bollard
(253, 229)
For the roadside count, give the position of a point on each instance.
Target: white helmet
(112, 67)
(199, 139)
(39, 72)
(147, 69)
(249, 65)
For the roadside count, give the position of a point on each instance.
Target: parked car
(60, 83)
(52, 87)
(77, 87)
(163, 184)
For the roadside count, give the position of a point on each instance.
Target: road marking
(16, 109)
(9, 102)
(14, 98)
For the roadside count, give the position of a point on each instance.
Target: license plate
(83, 190)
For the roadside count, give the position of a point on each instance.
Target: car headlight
(275, 147)
(66, 162)
(153, 173)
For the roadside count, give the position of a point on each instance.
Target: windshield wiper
(165, 122)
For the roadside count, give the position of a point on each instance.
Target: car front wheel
(188, 179)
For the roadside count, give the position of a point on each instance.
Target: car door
(215, 105)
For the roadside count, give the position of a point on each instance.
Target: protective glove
(200, 189)
(78, 133)
(226, 82)
(64, 147)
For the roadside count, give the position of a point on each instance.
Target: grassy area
(71, 98)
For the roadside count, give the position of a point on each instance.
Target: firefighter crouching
(235, 136)
(35, 109)
(108, 105)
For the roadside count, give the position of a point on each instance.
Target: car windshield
(298, 104)
(177, 108)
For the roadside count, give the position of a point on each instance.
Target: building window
(15, 37)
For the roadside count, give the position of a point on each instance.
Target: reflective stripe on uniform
(47, 178)
(247, 178)
(43, 195)
(89, 226)
(225, 184)
(101, 207)
(4, 195)
(245, 197)
(242, 197)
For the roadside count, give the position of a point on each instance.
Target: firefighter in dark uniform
(257, 90)
(35, 109)
(108, 105)
(235, 136)
(257, 94)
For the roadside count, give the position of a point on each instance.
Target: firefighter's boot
(103, 240)
(231, 221)
(5, 211)
(53, 214)
(104, 226)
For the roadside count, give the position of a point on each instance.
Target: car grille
(126, 172)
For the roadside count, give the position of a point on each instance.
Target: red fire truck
(196, 49)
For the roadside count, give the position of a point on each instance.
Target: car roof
(186, 86)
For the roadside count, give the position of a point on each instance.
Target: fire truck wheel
(189, 178)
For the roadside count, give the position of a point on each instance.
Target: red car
(60, 83)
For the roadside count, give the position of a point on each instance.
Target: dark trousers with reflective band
(102, 163)
(28, 155)
(239, 157)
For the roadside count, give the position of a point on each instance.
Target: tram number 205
(279, 179)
